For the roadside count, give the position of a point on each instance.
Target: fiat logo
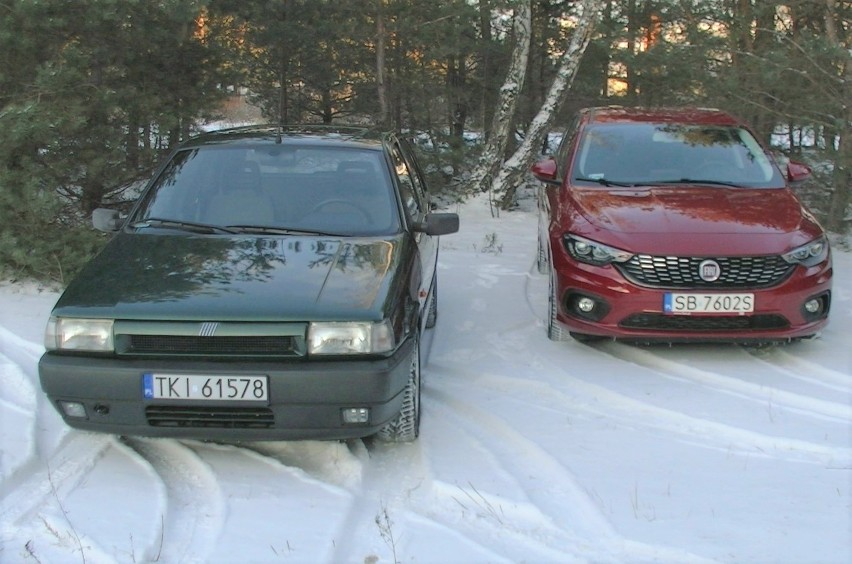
(709, 270)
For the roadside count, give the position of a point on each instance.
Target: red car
(676, 225)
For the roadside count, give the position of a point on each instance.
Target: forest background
(95, 93)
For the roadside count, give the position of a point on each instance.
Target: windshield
(643, 154)
(324, 190)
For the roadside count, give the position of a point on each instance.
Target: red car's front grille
(683, 272)
(703, 323)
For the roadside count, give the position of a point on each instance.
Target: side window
(408, 190)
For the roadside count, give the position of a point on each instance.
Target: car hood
(696, 216)
(180, 277)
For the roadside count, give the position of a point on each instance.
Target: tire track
(193, 507)
(739, 387)
(600, 401)
(538, 530)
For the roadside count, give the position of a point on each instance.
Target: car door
(415, 202)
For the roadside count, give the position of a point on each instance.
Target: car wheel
(405, 427)
(432, 314)
(555, 332)
(542, 258)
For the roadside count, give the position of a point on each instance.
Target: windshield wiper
(266, 230)
(182, 225)
(699, 181)
(605, 182)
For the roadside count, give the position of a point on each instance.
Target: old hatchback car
(270, 283)
(675, 224)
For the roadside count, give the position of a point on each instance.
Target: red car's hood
(675, 217)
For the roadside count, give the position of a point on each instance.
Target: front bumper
(634, 312)
(306, 398)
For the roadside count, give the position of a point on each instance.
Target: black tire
(555, 332)
(405, 427)
(432, 314)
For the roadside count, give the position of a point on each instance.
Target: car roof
(684, 115)
(301, 135)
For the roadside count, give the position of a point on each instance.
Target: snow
(530, 451)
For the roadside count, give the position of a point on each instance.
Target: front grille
(706, 323)
(221, 417)
(683, 272)
(274, 345)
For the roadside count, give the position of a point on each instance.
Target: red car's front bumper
(625, 310)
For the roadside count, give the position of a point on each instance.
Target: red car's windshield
(666, 153)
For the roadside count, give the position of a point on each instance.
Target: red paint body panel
(742, 209)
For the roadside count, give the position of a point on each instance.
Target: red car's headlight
(808, 255)
(592, 252)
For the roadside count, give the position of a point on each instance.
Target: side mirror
(104, 219)
(545, 171)
(439, 224)
(797, 172)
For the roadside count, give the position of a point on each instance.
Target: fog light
(73, 409)
(356, 415)
(812, 306)
(585, 305)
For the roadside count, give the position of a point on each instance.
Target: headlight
(74, 334)
(808, 255)
(350, 337)
(592, 252)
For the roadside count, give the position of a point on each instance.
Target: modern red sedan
(677, 225)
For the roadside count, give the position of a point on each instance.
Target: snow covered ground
(531, 451)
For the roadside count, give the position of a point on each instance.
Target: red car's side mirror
(545, 170)
(797, 172)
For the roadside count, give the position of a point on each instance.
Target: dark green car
(270, 283)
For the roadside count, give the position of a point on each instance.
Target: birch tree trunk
(513, 171)
(492, 155)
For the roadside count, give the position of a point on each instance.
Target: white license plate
(196, 387)
(686, 304)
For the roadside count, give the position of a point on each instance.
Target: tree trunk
(513, 171)
(488, 101)
(841, 181)
(381, 87)
(492, 155)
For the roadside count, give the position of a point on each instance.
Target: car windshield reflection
(315, 190)
(646, 153)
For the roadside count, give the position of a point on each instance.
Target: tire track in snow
(540, 525)
(39, 484)
(739, 387)
(632, 413)
(795, 366)
(193, 507)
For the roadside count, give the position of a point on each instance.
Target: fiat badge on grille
(709, 270)
(208, 328)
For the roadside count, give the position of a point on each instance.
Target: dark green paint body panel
(305, 397)
(290, 278)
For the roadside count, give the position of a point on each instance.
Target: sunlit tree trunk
(491, 159)
(513, 171)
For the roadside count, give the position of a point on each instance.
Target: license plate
(195, 387)
(687, 304)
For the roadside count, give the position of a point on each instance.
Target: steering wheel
(365, 215)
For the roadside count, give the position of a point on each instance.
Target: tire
(555, 332)
(541, 261)
(432, 314)
(405, 427)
